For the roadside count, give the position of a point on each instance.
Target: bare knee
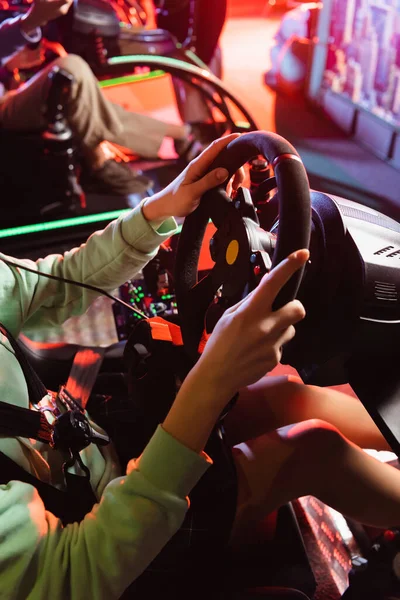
(286, 387)
(293, 461)
(269, 388)
(294, 380)
(317, 447)
(292, 390)
(314, 437)
(295, 388)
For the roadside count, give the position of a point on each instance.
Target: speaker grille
(385, 291)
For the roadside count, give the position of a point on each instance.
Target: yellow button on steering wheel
(232, 252)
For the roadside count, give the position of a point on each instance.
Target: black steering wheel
(241, 250)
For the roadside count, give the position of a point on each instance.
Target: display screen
(362, 61)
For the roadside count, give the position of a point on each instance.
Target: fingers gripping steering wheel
(241, 250)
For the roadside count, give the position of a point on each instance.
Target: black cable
(87, 286)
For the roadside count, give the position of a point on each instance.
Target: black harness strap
(36, 389)
(83, 374)
(69, 505)
(24, 422)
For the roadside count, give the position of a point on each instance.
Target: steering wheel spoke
(197, 302)
(204, 291)
(218, 210)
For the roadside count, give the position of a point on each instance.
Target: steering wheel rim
(294, 228)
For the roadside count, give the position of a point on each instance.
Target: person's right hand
(245, 344)
(247, 341)
(43, 11)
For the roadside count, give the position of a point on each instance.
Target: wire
(87, 286)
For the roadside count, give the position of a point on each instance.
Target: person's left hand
(182, 196)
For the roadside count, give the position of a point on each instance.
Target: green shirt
(137, 513)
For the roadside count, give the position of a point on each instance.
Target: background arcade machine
(354, 80)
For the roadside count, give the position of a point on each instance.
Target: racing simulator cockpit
(350, 286)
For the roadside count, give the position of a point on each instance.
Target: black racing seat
(53, 361)
(96, 49)
(92, 29)
(274, 566)
(277, 556)
(95, 30)
(148, 41)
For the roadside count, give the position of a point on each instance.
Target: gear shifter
(58, 139)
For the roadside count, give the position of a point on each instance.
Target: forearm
(135, 518)
(156, 209)
(196, 409)
(107, 260)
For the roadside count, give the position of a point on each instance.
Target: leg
(209, 20)
(312, 458)
(274, 402)
(191, 105)
(91, 116)
(22, 109)
(209, 30)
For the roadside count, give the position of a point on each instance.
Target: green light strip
(131, 79)
(242, 124)
(62, 223)
(149, 59)
(196, 59)
(127, 58)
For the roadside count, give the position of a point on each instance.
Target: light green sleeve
(108, 259)
(99, 557)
